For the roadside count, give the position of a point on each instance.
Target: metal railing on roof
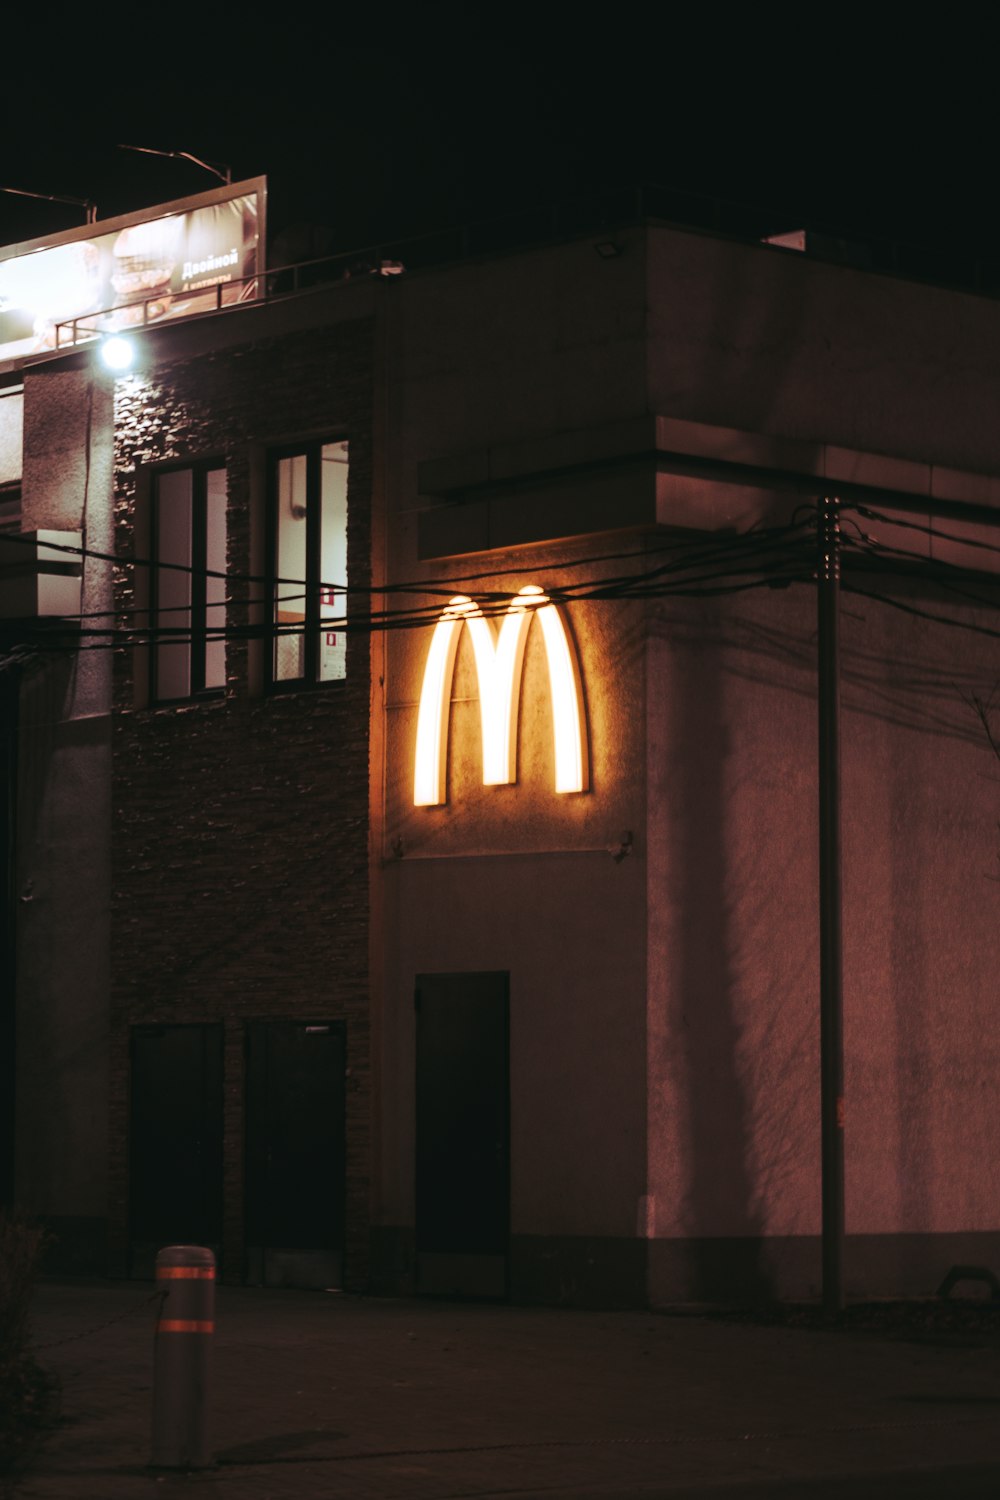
(598, 213)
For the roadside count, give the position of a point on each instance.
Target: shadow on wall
(915, 1144)
(720, 1182)
(904, 684)
(45, 688)
(738, 780)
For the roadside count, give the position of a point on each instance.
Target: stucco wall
(518, 878)
(522, 879)
(520, 345)
(63, 836)
(770, 343)
(733, 943)
(11, 426)
(776, 342)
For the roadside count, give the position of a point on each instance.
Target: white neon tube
(430, 775)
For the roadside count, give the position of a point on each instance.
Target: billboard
(166, 262)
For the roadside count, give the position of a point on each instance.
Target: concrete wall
(526, 344)
(734, 1112)
(720, 892)
(518, 878)
(11, 439)
(782, 345)
(774, 342)
(63, 838)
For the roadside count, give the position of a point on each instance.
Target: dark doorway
(175, 1141)
(295, 1153)
(462, 1169)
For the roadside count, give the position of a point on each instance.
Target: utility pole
(831, 998)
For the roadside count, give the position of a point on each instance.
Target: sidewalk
(319, 1395)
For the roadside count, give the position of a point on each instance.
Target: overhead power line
(772, 557)
(923, 614)
(438, 586)
(733, 577)
(931, 531)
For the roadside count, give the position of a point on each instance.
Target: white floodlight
(117, 353)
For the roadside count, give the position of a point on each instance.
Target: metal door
(462, 1134)
(295, 1142)
(175, 1140)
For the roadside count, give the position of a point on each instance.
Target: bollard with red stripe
(185, 1274)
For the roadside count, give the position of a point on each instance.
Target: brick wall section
(240, 841)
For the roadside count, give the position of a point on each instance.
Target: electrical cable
(50, 638)
(622, 586)
(653, 584)
(437, 587)
(759, 557)
(53, 638)
(923, 614)
(631, 585)
(935, 569)
(932, 531)
(440, 586)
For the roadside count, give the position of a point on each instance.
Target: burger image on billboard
(176, 260)
(145, 256)
(36, 291)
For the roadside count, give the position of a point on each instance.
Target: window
(11, 444)
(10, 508)
(307, 563)
(188, 603)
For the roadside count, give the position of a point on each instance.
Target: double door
(294, 1147)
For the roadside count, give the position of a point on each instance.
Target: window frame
(312, 450)
(11, 509)
(198, 604)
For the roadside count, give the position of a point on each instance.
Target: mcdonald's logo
(499, 662)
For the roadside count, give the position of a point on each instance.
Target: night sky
(417, 119)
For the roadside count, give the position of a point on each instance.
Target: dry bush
(26, 1391)
(21, 1244)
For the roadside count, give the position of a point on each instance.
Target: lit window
(188, 586)
(308, 563)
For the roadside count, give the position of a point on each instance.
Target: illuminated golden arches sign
(499, 661)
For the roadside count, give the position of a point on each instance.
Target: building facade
(422, 894)
(234, 1073)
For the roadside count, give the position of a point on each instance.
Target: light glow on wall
(499, 663)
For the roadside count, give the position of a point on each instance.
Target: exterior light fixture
(608, 249)
(499, 661)
(221, 169)
(117, 353)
